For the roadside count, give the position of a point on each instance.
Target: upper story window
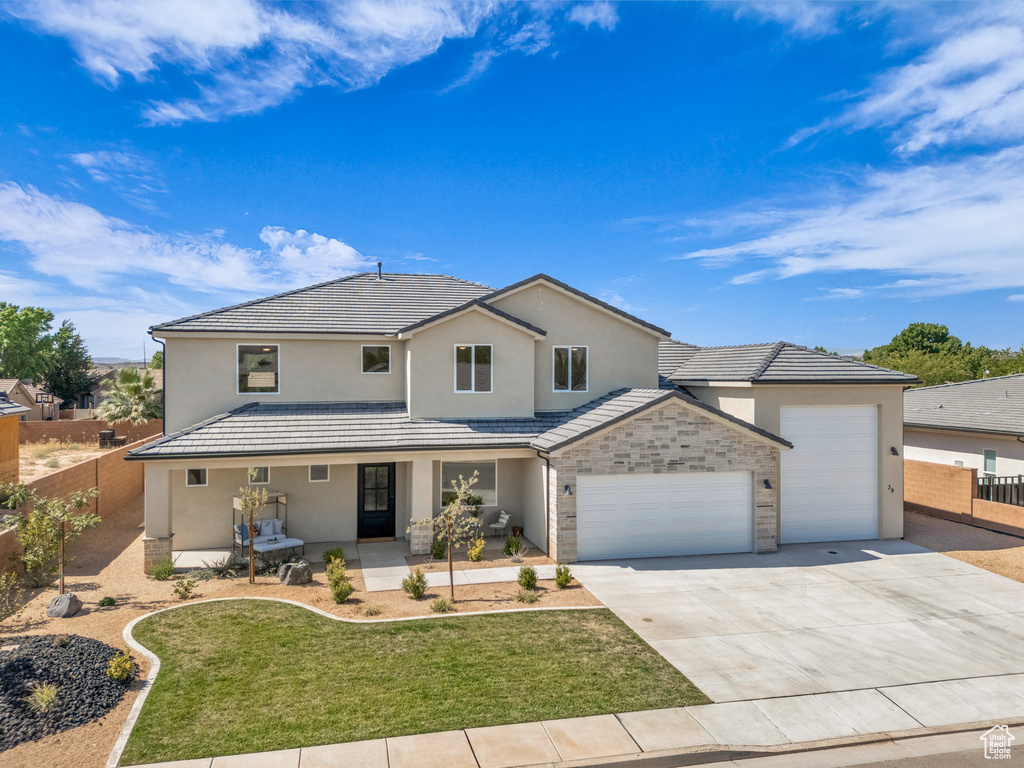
(377, 359)
(258, 368)
(472, 367)
(570, 369)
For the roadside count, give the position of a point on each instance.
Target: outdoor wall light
(568, 490)
(894, 451)
(767, 484)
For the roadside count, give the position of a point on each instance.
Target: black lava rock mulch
(79, 670)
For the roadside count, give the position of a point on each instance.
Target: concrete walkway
(767, 725)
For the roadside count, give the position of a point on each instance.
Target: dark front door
(376, 501)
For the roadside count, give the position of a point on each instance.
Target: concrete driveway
(819, 618)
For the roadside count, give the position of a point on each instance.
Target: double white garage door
(829, 493)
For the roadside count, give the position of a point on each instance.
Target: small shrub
(476, 550)
(61, 641)
(562, 576)
(372, 610)
(337, 579)
(12, 596)
(41, 697)
(527, 596)
(527, 577)
(202, 574)
(53, 463)
(442, 605)
(107, 602)
(438, 549)
(415, 584)
(121, 666)
(337, 553)
(225, 569)
(185, 589)
(512, 545)
(519, 554)
(162, 570)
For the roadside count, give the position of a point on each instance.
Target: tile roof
(984, 405)
(781, 363)
(295, 428)
(7, 408)
(474, 303)
(36, 391)
(672, 354)
(357, 304)
(8, 385)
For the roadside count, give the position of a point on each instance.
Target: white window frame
(255, 482)
(206, 477)
(472, 370)
(984, 461)
(443, 489)
(374, 373)
(570, 390)
(258, 344)
(326, 479)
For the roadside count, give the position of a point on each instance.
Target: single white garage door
(830, 478)
(651, 515)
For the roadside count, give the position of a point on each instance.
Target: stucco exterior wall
(201, 378)
(942, 447)
(431, 369)
(619, 353)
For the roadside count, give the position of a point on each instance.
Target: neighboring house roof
(36, 391)
(299, 428)
(473, 305)
(357, 304)
(672, 354)
(985, 405)
(32, 391)
(7, 408)
(781, 363)
(579, 294)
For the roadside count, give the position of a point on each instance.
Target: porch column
(156, 544)
(421, 505)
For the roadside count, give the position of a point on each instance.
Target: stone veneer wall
(673, 437)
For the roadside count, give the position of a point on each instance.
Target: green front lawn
(245, 676)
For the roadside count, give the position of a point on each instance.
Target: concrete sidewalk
(764, 724)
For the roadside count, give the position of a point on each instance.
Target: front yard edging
(154, 661)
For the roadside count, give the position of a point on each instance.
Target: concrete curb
(133, 716)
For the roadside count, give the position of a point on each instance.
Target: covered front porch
(347, 500)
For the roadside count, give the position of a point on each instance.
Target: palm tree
(132, 396)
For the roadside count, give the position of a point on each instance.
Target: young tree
(25, 342)
(252, 500)
(157, 361)
(45, 532)
(132, 396)
(68, 373)
(456, 525)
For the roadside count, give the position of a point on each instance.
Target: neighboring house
(976, 424)
(362, 398)
(41, 405)
(105, 376)
(10, 414)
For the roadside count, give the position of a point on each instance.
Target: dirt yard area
(108, 563)
(48, 456)
(992, 551)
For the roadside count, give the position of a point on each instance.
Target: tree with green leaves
(25, 341)
(456, 524)
(157, 362)
(131, 396)
(69, 371)
(46, 530)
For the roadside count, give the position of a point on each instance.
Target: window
(570, 369)
(485, 489)
(258, 368)
(195, 477)
(319, 473)
(472, 367)
(259, 475)
(377, 359)
(990, 462)
(958, 463)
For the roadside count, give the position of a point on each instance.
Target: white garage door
(830, 478)
(656, 515)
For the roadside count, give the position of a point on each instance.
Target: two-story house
(363, 397)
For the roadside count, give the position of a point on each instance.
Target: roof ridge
(763, 366)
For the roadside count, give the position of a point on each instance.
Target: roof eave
(975, 430)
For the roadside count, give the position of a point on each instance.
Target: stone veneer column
(421, 506)
(158, 541)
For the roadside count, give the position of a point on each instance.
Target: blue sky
(737, 173)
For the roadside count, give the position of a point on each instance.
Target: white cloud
(615, 299)
(602, 14)
(1016, 297)
(937, 229)
(132, 176)
(806, 18)
(310, 257)
(845, 293)
(245, 56)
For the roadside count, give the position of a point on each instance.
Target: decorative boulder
(294, 574)
(64, 606)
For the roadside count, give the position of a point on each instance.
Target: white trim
(206, 476)
(261, 466)
(326, 479)
(258, 344)
(362, 360)
(441, 485)
(570, 347)
(472, 370)
(475, 307)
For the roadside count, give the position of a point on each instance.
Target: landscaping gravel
(78, 670)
